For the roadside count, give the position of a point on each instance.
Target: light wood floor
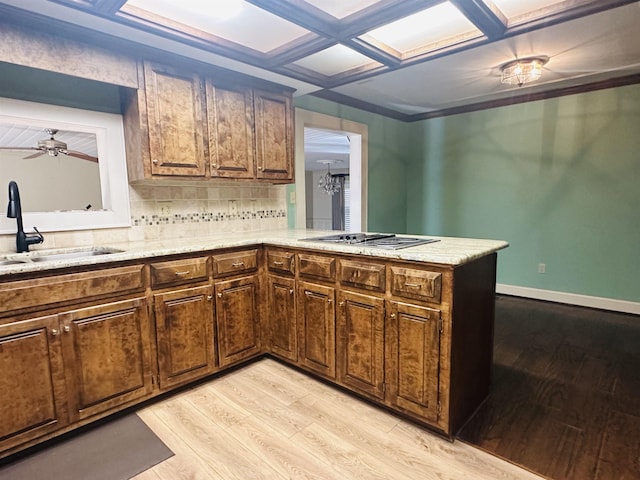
(268, 421)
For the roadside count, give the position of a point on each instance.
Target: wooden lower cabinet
(106, 356)
(185, 335)
(316, 328)
(360, 343)
(238, 324)
(413, 359)
(33, 395)
(282, 317)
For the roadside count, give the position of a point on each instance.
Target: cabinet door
(184, 327)
(106, 352)
(237, 320)
(174, 110)
(360, 343)
(282, 317)
(316, 328)
(414, 353)
(230, 121)
(32, 384)
(274, 135)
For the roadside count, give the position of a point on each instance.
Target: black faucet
(14, 210)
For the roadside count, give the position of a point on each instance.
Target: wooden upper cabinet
(175, 121)
(230, 122)
(274, 135)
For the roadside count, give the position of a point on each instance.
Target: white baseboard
(571, 298)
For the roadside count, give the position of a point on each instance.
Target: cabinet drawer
(369, 276)
(317, 266)
(82, 286)
(234, 263)
(281, 262)
(178, 271)
(418, 284)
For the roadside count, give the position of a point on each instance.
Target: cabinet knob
(220, 295)
(209, 297)
(260, 168)
(214, 165)
(155, 161)
(291, 291)
(55, 332)
(329, 300)
(66, 329)
(393, 315)
(341, 304)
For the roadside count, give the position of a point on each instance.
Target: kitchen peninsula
(83, 337)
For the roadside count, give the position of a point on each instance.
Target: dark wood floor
(565, 399)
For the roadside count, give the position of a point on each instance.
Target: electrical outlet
(164, 208)
(542, 268)
(233, 207)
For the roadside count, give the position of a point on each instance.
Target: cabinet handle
(277, 263)
(209, 297)
(308, 293)
(55, 332)
(214, 165)
(393, 315)
(329, 300)
(291, 291)
(220, 295)
(155, 161)
(237, 264)
(341, 304)
(180, 274)
(414, 285)
(66, 329)
(260, 168)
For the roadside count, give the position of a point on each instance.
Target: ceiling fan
(53, 148)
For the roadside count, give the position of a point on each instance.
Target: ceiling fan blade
(81, 155)
(37, 154)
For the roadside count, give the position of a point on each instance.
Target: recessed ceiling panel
(516, 10)
(234, 20)
(342, 8)
(335, 60)
(432, 28)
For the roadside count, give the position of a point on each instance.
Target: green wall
(559, 179)
(388, 161)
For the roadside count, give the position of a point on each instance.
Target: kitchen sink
(72, 255)
(55, 255)
(10, 262)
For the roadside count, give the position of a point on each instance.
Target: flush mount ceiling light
(329, 184)
(523, 70)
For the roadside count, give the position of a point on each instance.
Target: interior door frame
(358, 161)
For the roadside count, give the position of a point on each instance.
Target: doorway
(335, 146)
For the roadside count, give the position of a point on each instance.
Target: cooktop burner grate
(376, 240)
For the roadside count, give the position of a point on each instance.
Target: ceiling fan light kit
(523, 70)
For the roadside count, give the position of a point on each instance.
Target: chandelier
(329, 184)
(523, 70)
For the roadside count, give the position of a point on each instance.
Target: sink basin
(49, 257)
(55, 255)
(10, 262)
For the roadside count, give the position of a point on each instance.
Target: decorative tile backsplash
(170, 211)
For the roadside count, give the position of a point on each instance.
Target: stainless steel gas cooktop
(387, 241)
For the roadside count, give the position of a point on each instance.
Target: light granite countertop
(447, 251)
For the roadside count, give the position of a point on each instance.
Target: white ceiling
(347, 49)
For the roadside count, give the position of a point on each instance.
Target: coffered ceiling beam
(379, 53)
(484, 15)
